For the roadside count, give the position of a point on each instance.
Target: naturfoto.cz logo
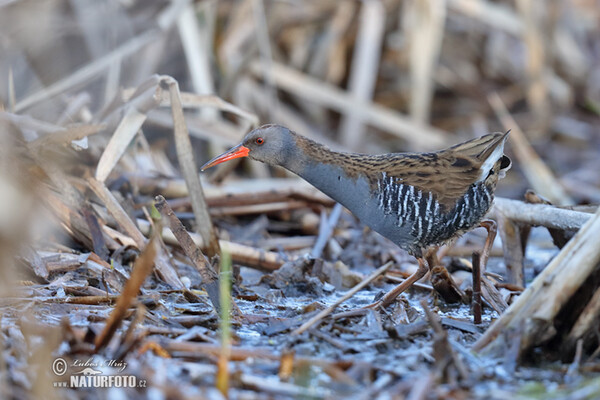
(83, 374)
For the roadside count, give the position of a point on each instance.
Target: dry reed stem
(26, 122)
(198, 259)
(514, 253)
(199, 101)
(127, 129)
(89, 71)
(66, 135)
(189, 171)
(263, 42)
(496, 15)
(537, 90)
(142, 268)
(252, 95)
(539, 214)
(364, 70)
(269, 207)
(425, 22)
(196, 39)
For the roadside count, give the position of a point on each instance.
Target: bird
(419, 201)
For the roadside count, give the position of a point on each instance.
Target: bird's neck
(304, 153)
(334, 173)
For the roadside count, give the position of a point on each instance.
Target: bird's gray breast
(358, 195)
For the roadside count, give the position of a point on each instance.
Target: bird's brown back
(447, 174)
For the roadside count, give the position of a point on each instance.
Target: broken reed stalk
(225, 325)
(476, 300)
(534, 310)
(510, 232)
(200, 262)
(536, 39)
(314, 320)
(185, 241)
(141, 269)
(189, 171)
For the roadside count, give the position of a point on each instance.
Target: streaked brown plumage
(417, 200)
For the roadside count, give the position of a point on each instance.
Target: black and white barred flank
(421, 210)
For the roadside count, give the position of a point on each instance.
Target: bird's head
(270, 144)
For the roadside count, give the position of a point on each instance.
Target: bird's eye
(260, 141)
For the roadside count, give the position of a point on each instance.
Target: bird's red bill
(236, 152)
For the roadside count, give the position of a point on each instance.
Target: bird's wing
(448, 173)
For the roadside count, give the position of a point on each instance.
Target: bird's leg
(431, 257)
(390, 296)
(492, 228)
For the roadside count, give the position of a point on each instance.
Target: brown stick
(203, 266)
(476, 301)
(141, 269)
(513, 249)
(206, 271)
